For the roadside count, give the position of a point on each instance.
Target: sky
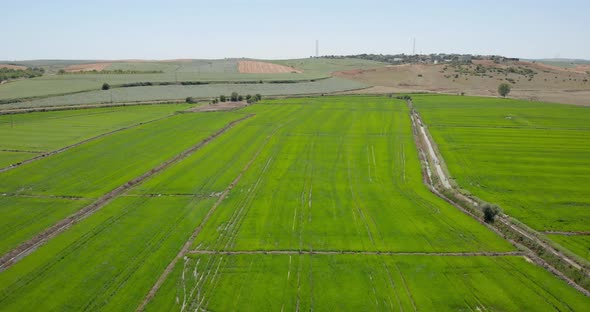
(118, 29)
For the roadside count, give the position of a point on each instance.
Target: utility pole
(414, 47)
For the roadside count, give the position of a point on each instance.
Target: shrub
(234, 96)
(504, 89)
(258, 97)
(240, 98)
(490, 212)
(106, 86)
(222, 98)
(190, 99)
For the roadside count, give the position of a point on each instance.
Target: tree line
(30, 72)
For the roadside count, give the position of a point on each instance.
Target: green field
(533, 159)
(312, 175)
(363, 283)
(23, 136)
(179, 92)
(172, 71)
(580, 244)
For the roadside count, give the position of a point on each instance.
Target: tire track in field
(230, 231)
(29, 246)
(63, 149)
(186, 247)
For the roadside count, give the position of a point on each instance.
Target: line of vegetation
(30, 72)
(109, 72)
(165, 83)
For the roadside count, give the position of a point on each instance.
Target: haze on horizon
(267, 29)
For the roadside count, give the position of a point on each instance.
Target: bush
(234, 96)
(490, 212)
(248, 97)
(190, 99)
(222, 98)
(240, 98)
(504, 89)
(106, 86)
(258, 97)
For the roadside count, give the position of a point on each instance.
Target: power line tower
(317, 48)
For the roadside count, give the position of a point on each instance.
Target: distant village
(397, 59)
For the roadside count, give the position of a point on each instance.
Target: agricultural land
(304, 203)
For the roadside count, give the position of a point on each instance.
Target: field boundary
(344, 252)
(187, 245)
(32, 244)
(541, 253)
(63, 149)
(167, 83)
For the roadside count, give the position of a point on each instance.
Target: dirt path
(20, 151)
(29, 246)
(582, 233)
(45, 196)
(344, 252)
(63, 149)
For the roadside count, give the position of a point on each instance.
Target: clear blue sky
(109, 29)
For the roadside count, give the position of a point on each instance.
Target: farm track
(359, 252)
(186, 247)
(63, 149)
(21, 151)
(29, 246)
(424, 138)
(566, 233)
(45, 196)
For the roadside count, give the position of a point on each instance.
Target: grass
(580, 245)
(363, 283)
(93, 169)
(8, 158)
(312, 158)
(48, 131)
(23, 217)
(325, 65)
(119, 251)
(530, 158)
(189, 70)
(175, 92)
(97, 167)
(341, 174)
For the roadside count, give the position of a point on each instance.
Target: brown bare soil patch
(87, 67)
(256, 67)
(17, 67)
(221, 106)
(549, 84)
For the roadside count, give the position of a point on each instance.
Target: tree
(105, 86)
(222, 98)
(234, 96)
(258, 97)
(248, 97)
(504, 89)
(490, 212)
(240, 98)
